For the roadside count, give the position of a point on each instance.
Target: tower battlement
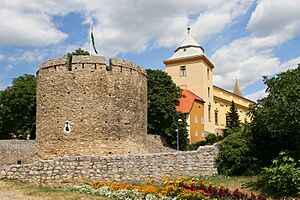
(88, 108)
(93, 62)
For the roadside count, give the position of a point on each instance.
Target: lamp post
(177, 131)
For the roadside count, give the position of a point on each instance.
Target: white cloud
(244, 59)
(2, 57)
(132, 26)
(251, 57)
(27, 28)
(293, 63)
(121, 26)
(275, 17)
(257, 95)
(290, 64)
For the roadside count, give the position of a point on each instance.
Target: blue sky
(243, 38)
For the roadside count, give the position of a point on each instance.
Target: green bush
(209, 140)
(282, 178)
(235, 157)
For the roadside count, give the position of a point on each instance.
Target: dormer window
(182, 71)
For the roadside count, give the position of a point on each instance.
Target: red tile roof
(186, 102)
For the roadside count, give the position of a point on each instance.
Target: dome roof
(189, 47)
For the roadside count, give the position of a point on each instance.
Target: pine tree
(233, 118)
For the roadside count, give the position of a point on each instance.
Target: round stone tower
(87, 108)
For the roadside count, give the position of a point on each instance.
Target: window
(203, 134)
(196, 119)
(208, 92)
(202, 120)
(209, 108)
(207, 73)
(182, 71)
(216, 117)
(196, 134)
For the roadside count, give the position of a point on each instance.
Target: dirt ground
(9, 192)
(12, 190)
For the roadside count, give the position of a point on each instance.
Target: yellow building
(190, 69)
(193, 108)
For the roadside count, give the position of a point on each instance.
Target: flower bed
(182, 188)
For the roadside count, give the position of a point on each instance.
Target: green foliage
(18, 108)
(163, 97)
(233, 116)
(282, 178)
(209, 140)
(276, 118)
(235, 155)
(195, 146)
(78, 52)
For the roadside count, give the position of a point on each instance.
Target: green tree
(163, 97)
(78, 52)
(18, 108)
(235, 155)
(233, 119)
(276, 118)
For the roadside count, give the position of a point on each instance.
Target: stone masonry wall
(13, 150)
(105, 107)
(77, 170)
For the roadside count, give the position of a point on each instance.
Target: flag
(92, 40)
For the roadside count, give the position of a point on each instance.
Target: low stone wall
(81, 169)
(13, 150)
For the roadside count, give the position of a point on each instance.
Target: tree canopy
(276, 118)
(18, 108)
(78, 52)
(163, 97)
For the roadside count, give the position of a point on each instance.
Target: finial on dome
(188, 30)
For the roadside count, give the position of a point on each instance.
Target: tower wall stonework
(104, 107)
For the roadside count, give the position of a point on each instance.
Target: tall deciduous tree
(276, 118)
(163, 97)
(18, 108)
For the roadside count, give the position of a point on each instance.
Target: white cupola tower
(190, 69)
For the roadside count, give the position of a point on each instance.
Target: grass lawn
(232, 183)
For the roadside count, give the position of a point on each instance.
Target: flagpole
(90, 36)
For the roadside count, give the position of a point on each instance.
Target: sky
(244, 39)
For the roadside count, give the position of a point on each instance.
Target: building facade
(193, 108)
(191, 70)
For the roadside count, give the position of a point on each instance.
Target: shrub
(235, 157)
(209, 140)
(282, 178)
